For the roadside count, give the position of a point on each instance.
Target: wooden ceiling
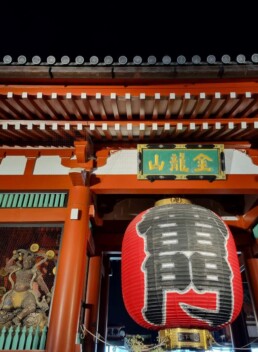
(56, 105)
(60, 117)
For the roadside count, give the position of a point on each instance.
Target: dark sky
(127, 28)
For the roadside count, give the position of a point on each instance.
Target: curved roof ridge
(123, 60)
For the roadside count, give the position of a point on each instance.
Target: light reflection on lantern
(180, 270)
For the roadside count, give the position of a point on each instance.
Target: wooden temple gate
(69, 163)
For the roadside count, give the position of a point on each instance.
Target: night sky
(127, 28)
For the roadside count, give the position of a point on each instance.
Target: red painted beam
(149, 89)
(29, 215)
(35, 182)
(129, 184)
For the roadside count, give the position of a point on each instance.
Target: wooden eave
(60, 114)
(116, 74)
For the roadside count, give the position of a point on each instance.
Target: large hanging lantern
(180, 270)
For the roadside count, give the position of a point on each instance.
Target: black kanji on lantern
(185, 248)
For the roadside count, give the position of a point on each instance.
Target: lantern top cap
(173, 200)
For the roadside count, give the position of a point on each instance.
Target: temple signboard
(181, 161)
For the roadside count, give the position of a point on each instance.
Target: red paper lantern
(180, 269)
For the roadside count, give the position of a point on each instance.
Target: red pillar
(252, 271)
(92, 299)
(103, 304)
(71, 271)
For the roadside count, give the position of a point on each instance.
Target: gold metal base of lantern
(173, 200)
(185, 338)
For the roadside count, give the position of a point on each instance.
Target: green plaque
(181, 161)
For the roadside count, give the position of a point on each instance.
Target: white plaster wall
(50, 165)
(13, 165)
(122, 162)
(237, 162)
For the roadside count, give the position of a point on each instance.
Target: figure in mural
(23, 300)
